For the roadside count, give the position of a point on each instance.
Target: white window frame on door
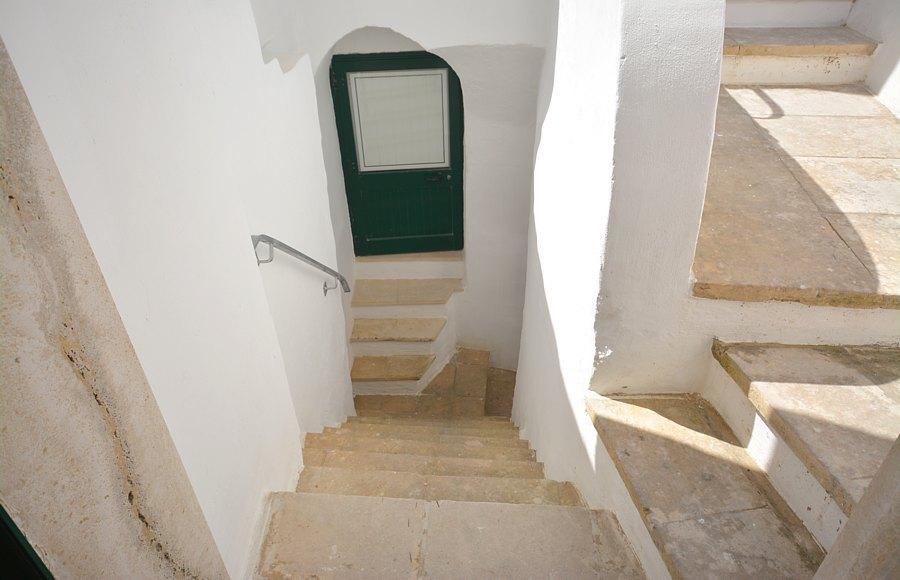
(357, 131)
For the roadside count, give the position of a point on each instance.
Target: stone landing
(803, 199)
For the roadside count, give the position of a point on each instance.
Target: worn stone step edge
(500, 423)
(424, 464)
(421, 448)
(407, 367)
(398, 484)
(808, 296)
(461, 407)
(790, 42)
(429, 436)
(399, 334)
(425, 430)
(451, 286)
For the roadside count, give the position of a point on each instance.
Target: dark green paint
(410, 210)
(17, 558)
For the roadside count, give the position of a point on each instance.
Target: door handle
(438, 177)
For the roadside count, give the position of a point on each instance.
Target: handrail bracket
(278, 244)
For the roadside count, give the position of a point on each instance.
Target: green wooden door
(400, 126)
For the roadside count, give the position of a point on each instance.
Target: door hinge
(333, 80)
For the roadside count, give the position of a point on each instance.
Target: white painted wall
(289, 201)
(497, 56)
(572, 191)
(164, 125)
(786, 13)
(880, 20)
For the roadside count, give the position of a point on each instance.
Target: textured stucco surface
(88, 469)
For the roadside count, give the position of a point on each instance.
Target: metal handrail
(273, 243)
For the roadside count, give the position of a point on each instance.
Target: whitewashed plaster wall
(290, 202)
(496, 48)
(578, 103)
(880, 20)
(160, 118)
(786, 13)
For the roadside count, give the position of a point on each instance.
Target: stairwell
(752, 474)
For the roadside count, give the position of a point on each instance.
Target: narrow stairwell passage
(411, 496)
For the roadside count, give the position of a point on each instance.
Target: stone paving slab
(323, 535)
(802, 199)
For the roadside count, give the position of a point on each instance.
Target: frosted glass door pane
(400, 119)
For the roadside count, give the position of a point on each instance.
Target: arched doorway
(399, 120)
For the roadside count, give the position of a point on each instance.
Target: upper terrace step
(835, 41)
(823, 56)
(709, 510)
(838, 408)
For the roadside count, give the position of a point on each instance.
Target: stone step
(423, 464)
(323, 535)
(425, 431)
(410, 485)
(827, 56)
(393, 266)
(498, 423)
(708, 508)
(390, 368)
(338, 436)
(408, 291)
(422, 405)
(396, 329)
(825, 41)
(407, 446)
(836, 407)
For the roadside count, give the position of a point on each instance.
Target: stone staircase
(390, 494)
(827, 55)
(403, 326)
